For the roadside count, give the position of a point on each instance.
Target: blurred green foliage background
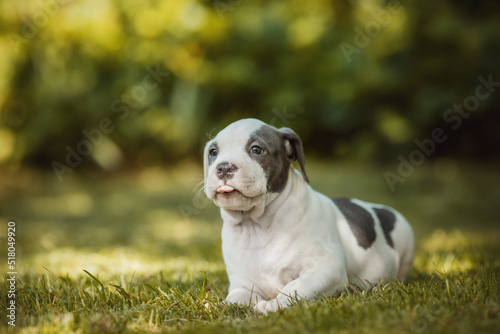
(146, 82)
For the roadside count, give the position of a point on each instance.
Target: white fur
(295, 243)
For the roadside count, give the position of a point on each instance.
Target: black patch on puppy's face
(387, 221)
(212, 152)
(273, 157)
(360, 221)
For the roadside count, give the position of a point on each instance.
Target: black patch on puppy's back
(360, 221)
(274, 159)
(387, 221)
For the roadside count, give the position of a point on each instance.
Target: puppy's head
(247, 160)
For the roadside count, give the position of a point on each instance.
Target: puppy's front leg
(325, 278)
(243, 296)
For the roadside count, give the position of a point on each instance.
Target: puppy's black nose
(225, 170)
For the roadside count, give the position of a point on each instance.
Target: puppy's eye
(256, 150)
(213, 153)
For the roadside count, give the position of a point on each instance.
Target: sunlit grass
(141, 253)
(116, 262)
(456, 252)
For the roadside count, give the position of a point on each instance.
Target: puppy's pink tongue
(225, 189)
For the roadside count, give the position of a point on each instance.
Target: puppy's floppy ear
(294, 149)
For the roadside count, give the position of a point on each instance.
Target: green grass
(140, 253)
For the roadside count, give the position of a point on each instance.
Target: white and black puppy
(282, 239)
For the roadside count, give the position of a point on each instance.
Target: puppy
(282, 239)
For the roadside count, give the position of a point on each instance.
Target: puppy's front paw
(274, 305)
(208, 306)
(265, 306)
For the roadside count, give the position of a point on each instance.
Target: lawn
(139, 252)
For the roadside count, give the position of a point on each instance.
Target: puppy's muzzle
(225, 170)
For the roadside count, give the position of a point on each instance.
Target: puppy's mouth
(226, 192)
(225, 189)
(231, 198)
